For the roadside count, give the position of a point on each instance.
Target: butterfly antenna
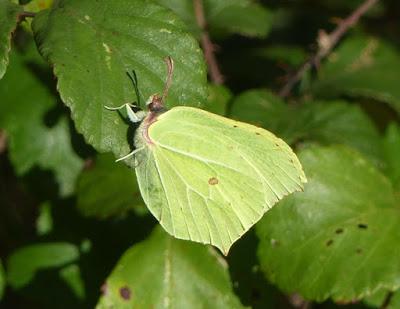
(170, 71)
(133, 77)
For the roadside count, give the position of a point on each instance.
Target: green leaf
(361, 66)
(106, 39)
(2, 280)
(323, 122)
(226, 16)
(337, 238)
(163, 272)
(376, 300)
(38, 5)
(25, 262)
(34, 6)
(218, 99)
(107, 189)
(71, 275)
(27, 104)
(391, 146)
(293, 56)
(209, 179)
(8, 22)
(44, 220)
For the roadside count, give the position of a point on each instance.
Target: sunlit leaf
(391, 146)
(337, 239)
(91, 46)
(163, 272)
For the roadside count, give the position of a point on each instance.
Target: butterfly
(204, 177)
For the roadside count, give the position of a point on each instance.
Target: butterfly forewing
(209, 179)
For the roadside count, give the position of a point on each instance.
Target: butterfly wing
(209, 179)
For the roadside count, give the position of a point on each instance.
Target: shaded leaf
(44, 220)
(218, 98)
(36, 137)
(164, 272)
(292, 56)
(328, 122)
(361, 66)
(104, 41)
(338, 237)
(25, 262)
(8, 22)
(225, 16)
(108, 189)
(72, 277)
(2, 280)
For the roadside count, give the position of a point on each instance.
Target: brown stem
(23, 15)
(326, 44)
(206, 44)
(386, 301)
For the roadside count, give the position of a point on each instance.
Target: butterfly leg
(134, 117)
(130, 154)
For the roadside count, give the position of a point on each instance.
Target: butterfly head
(155, 104)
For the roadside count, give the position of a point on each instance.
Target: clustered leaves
(74, 230)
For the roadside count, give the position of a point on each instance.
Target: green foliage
(109, 184)
(218, 99)
(8, 22)
(76, 231)
(333, 237)
(329, 122)
(362, 66)
(38, 132)
(391, 148)
(168, 273)
(25, 262)
(104, 41)
(245, 17)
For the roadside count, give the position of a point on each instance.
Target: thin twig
(206, 44)
(326, 44)
(23, 15)
(386, 301)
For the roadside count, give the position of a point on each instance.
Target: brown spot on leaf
(362, 226)
(329, 242)
(125, 293)
(258, 133)
(339, 231)
(213, 181)
(359, 251)
(104, 288)
(235, 126)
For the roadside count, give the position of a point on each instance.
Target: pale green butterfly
(207, 178)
